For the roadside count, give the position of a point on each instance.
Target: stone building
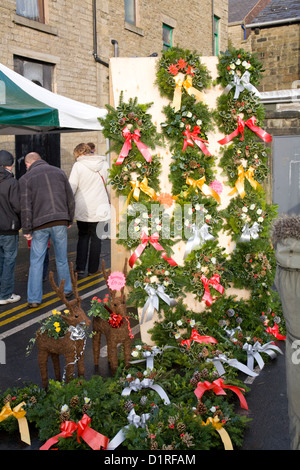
(66, 46)
(271, 29)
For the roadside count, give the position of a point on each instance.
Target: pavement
(267, 399)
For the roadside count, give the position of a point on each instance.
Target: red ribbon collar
(240, 130)
(135, 136)
(93, 438)
(193, 137)
(218, 386)
(153, 239)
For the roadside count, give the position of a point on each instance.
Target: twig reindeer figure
(71, 346)
(114, 336)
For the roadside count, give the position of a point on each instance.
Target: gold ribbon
(187, 84)
(19, 414)
(200, 184)
(215, 422)
(137, 187)
(240, 182)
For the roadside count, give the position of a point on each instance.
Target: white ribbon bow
(248, 233)
(135, 420)
(253, 353)
(77, 332)
(152, 302)
(231, 362)
(200, 235)
(137, 385)
(240, 85)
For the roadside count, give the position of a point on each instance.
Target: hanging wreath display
(133, 137)
(180, 73)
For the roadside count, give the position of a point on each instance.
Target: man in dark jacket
(47, 210)
(9, 228)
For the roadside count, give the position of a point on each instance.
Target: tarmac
(267, 398)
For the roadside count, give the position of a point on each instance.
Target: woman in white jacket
(92, 208)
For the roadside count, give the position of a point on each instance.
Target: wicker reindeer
(114, 336)
(72, 344)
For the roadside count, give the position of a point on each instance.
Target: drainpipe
(116, 47)
(95, 54)
(243, 27)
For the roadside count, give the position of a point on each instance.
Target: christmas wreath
(179, 61)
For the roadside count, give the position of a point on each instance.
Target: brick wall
(66, 41)
(279, 50)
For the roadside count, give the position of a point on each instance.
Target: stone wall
(66, 42)
(279, 50)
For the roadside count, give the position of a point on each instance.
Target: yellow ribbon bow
(19, 414)
(187, 84)
(240, 182)
(137, 187)
(215, 422)
(200, 184)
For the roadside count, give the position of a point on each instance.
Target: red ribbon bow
(240, 130)
(93, 438)
(215, 282)
(135, 136)
(193, 136)
(275, 332)
(218, 388)
(153, 239)
(198, 338)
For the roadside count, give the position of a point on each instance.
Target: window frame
(216, 33)
(42, 9)
(166, 45)
(134, 22)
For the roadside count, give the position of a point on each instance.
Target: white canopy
(27, 108)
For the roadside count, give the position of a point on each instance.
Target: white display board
(135, 77)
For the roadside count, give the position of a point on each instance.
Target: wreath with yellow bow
(181, 70)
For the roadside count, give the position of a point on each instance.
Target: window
(216, 34)
(31, 9)
(167, 37)
(130, 11)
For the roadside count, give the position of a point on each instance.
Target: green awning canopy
(27, 108)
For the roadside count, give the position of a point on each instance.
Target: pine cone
(128, 405)
(7, 399)
(187, 439)
(64, 416)
(33, 400)
(181, 427)
(204, 373)
(201, 408)
(74, 401)
(153, 445)
(86, 407)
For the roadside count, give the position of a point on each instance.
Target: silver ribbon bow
(248, 233)
(149, 356)
(136, 385)
(200, 235)
(253, 353)
(240, 85)
(77, 332)
(152, 302)
(231, 332)
(136, 420)
(218, 360)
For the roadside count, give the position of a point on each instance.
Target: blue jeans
(8, 254)
(39, 244)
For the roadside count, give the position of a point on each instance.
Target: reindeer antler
(74, 279)
(59, 290)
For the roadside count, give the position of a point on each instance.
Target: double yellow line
(44, 304)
